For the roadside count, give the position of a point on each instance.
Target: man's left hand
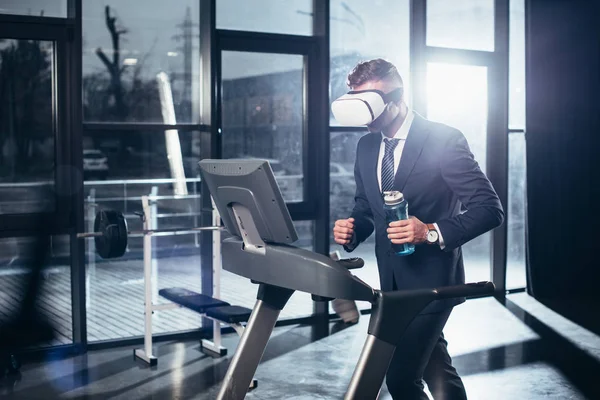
(410, 230)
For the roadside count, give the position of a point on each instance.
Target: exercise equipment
(221, 312)
(211, 307)
(253, 211)
(111, 234)
(113, 227)
(217, 310)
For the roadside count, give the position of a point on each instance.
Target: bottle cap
(392, 198)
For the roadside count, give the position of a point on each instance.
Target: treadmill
(260, 248)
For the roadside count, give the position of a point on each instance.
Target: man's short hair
(373, 70)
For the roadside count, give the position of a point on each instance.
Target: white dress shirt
(401, 134)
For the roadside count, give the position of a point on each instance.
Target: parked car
(95, 164)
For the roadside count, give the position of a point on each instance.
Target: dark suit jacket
(437, 174)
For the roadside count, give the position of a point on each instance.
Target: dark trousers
(423, 355)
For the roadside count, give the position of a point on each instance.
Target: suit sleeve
(462, 174)
(362, 213)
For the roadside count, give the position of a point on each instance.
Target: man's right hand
(343, 231)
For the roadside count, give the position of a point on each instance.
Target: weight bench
(217, 310)
(229, 314)
(194, 301)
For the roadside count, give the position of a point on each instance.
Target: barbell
(111, 234)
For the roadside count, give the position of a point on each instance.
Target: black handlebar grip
(352, 263)
(469, 289)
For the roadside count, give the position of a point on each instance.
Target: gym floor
(511, 352)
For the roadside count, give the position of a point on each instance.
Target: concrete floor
(517, 350)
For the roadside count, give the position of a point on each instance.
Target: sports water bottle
(396, 208)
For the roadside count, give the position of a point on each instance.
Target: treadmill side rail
(295, 268)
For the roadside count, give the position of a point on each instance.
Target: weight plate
(113, 226)
(123, 235)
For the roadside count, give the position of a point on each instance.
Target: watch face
(432, 236)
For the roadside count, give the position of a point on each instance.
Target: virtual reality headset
(361, 107)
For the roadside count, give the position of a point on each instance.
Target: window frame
(68, 215)
(256, 42)
(58, 31)
(497, 63)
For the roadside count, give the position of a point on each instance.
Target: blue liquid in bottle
(396, 208)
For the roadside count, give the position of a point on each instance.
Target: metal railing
(125, 195)
(290, 185)
(128, 186)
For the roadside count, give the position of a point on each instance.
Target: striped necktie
(387, 165)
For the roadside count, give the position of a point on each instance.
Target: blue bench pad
(197, 302)
(230, 314)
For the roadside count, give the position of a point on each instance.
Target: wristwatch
(432, 235)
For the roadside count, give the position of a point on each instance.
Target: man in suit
(432, 165)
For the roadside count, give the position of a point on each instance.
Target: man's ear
(393, 107)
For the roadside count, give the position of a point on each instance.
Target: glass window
(27, 131)
(262, 117)
(461, 24)
(516, 71)
(300, 304)
(341, 202)
(516, 275)
(55, 290)
(141, 61)
(119, 154)
(292, 17)
(36, 8)
(363, 30)
(341, 178)
(121, 166)
(457, 95)
(115, 299)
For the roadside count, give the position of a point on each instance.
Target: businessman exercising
(432, 165)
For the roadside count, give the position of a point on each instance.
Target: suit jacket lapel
(370, 180)
(413, 146)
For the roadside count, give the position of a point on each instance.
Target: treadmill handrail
(466, 290)
(393, 311)
(446, 292)
(295, 268)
